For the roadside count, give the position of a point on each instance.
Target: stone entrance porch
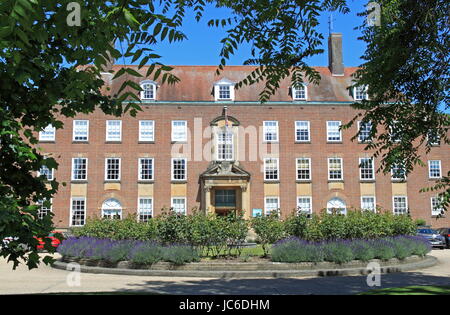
(225, 187)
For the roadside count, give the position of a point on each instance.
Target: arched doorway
(112, 209)
(336, 205)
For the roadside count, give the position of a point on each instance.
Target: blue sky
(203, 44)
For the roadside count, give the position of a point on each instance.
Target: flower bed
(295, 250)
(290, 250)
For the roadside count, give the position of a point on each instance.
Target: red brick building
(204, 144)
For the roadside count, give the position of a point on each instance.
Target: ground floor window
(400, 205)
(272, 204)
(368, 203)
(112, 209)
(436, 206)
(145, 209)
(304, 205)
(78, 211)
(336, 205)
(45, 208)
(179, 205)
(225, 198)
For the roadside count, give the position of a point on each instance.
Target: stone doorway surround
(225, 175)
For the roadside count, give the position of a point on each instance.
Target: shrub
(269, 229)
(172, 227)
(362, 250)
(338, 251)
(180, 254)
(146, 253)
(294, 250)
(297, 225)
(383, 249)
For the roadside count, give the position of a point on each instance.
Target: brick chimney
(335, 58)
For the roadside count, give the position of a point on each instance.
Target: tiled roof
(197, 84)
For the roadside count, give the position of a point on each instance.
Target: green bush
(180, 254)
(269, 230)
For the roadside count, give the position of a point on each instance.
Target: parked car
(55, 242)
(445, 232)
(435, 239)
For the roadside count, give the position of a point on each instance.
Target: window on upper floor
(179, 169)
(46, 172)
(225, 146)
(112, 169)
(270, 130)
(398, 172)
(302, 131)
(79, 168)
(360, 93)
(146, 169)
(271, 172)
(47, 134)
(114, 130)
(334, 133)
(366, 169)
(335, 169)
(364, 131)
(434, 169)
(224, 90)
(300, 93)
(179, 130)
(146, 130)
(304, 169)
(148, 90)
(80, 130)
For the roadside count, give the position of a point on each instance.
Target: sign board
(257, 212)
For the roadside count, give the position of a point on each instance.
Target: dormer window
(360, 93)
(224, 90)
(299, 93)
(148, 90)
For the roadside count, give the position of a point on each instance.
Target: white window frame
(341, 169)
(140, 169)
(360, 138)
(277, 169)
(179, 130)
(143, 87)
(397, 179)
(393, 204)
(429, 169)
(144, 211)
(52, 173)
(109, 130)
(298, 169)
(225, 144)
(273, 130)
(435, 199)
(371, 169)
(299, 125)
(42, 209)
(266, 208)
(185, 204)
(106, 169)
(374, 208)
(48, 133)
(71, 219)
(294, 93)
(152, 132)
(173, 169)
(299, 207)
(362, 90)
(73, 169)
(217, 88)
(84, 129)
(331, 129)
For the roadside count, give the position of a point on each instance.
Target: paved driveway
(46, 279)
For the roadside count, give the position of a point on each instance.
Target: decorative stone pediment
(224, 169)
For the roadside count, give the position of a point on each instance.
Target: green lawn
(411, 290)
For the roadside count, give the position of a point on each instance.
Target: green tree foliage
(407, 71)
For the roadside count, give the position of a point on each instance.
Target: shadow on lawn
(284, 286)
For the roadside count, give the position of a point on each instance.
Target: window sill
(47, 141)
(303, 181)
(268, 181)
(335, 181)
(146, 142)
(183, 181)
(113, 142)
(108, 181)
(305, 142)
(334, 142)
(367, 180)
(271, 142)
(178, 142)
(142, 181)
(80, 181)
(80, 142)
